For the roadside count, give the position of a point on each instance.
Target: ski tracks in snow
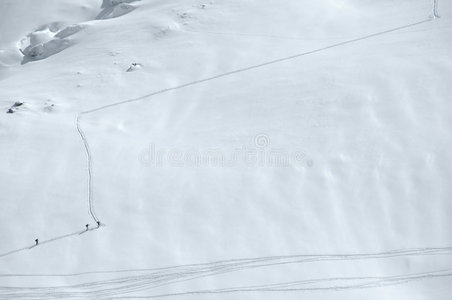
(146, 280)
(89, 168)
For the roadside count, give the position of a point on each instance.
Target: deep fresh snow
(230, 149)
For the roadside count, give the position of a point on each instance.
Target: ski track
(435, 9)
(121, 288)
(369, 282)
(89, 169)
(43, 242)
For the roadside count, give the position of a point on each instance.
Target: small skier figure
(87, 227)
(98, 224)
(37, 242)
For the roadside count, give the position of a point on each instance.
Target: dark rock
(18, 103)
(10, 111)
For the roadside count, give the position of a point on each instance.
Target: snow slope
(238, 130)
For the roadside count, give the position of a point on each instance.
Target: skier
(98, 224)
(87, 227)
(37, 242)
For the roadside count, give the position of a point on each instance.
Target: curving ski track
(89, 168)
(435, 9)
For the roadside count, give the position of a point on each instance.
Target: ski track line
(106, 289)
(435, 9)
(345, 256)
(43, 242)
(196, 82)
(373, 282)
(200, 81)
(294, 286)
(89, 169)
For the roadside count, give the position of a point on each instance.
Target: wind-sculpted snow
(52, 38)
(115, 8)
(46, 41)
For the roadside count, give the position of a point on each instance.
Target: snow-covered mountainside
(228, 149)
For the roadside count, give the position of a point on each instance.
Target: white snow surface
(254, 149)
